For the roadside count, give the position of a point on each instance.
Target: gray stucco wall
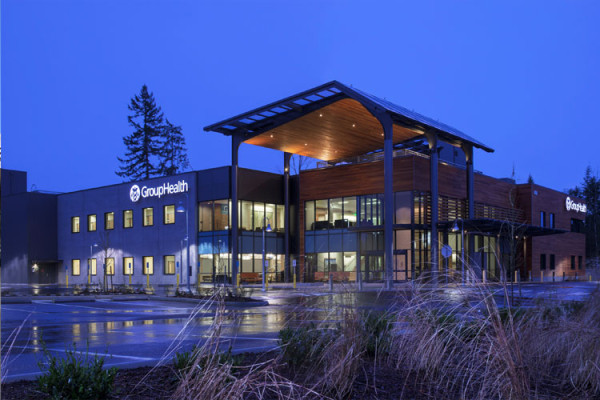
(157, 240)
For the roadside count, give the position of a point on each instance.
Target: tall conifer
(173, 153)
(144, 144)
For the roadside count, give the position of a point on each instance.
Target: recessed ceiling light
(320, 114)
(354, 125)
(306, 144)
(271, 135)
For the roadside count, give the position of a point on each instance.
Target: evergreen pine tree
(173, 152)
(144, 144)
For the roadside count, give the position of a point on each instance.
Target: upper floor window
(109, 220)
(148, 217)
(552, 222)
(75, 224)
(577, 225)
(542, 218)
(91, 222)
(169, 214)
(128, 219)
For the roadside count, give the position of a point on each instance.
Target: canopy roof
(333, 121)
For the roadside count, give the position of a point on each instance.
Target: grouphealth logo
(134, 193)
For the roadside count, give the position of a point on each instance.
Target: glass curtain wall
(214, 250)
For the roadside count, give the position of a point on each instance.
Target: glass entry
(372, 266)
(401, 269)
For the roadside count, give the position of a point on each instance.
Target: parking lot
(147, 332)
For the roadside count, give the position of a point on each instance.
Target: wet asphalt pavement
(147, 332)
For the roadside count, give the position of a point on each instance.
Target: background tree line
(589, 190)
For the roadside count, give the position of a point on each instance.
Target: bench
(253, 277)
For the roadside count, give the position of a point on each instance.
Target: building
(367, 207)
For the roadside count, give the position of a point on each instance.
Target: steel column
(468, 149)
(433, 184)
(286, 202)
(388, 197)
(235, 146)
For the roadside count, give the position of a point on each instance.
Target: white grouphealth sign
(135, 193)
(577, 207)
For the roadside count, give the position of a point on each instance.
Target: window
(128, 219)
(552, 221)
(75, 224)
(280, 224)
(91, 222)
(309, 215)
(246, 215)
(542, 218)
(148, 266)
(127, 265)
(109, 220)
(572, 262)
(259, 214)
(221, 215)
(148, 216)
(169, 214)
(169, 265)
(577, 225)
(205, 216)
(552, 261)
(92, 265)
(580, 261)
(75, 268)
(542, 262)
(110, 265)
(336, 213)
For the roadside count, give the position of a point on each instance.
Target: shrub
(303, 344)
(377, 329)
(77, 376)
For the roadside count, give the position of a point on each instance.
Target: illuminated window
(75, 224)
(110, 265)
(75, 268)
(169, 265)
(92, 265)
(127, 265)
(148, 216)
(128, 219)
(109, 220)
(221, 214)
(148, 266)
(205, 216)
(169, 214)
(91, 222)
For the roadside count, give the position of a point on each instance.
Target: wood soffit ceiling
(342, 129)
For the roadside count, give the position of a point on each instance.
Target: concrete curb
(255, 303)
(88, 298)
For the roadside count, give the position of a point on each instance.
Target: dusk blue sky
(520, 76)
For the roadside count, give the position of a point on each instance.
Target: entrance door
(401, 270)
(373, 267)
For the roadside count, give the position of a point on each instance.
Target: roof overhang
(333, 121)
(500, 227)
